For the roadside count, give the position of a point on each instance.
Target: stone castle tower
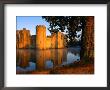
(40, 37)
(56, 40)
(40, 40)
(23, 38)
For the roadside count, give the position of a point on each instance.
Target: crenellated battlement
(41, 27)
(25, 30)
(40, 40)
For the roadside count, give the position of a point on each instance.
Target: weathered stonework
(23, 38)
(40, 40)
(56, 40)
(48, 42)
(33, 41)
(60, 38)
(40, 37)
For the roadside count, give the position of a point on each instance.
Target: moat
(30, 60)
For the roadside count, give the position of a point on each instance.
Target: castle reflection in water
(35, 60)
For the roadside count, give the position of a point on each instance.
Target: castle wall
(48, 42)
(40, 37)
(39, 41)
(60, 38)
(54, 41)
(33, 41)
(24, 38)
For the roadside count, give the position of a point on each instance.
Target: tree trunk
(87, 49)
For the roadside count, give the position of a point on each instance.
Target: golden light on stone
(41, 41)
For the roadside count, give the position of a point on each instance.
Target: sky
(30, 23)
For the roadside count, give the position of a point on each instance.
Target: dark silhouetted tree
(73, 24)
(63, 23)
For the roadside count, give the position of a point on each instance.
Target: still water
(35, 60)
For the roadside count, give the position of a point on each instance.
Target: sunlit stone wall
(60, 38)
(40, 37)
(54, 41)
(40, 40)
(48, 42)
(23, 38)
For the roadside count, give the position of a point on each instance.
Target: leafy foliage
(68, 24)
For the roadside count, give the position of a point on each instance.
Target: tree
(87, 49)
(73, 24)
(63, 23)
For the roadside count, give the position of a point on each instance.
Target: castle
(23, 38)
(39, 41)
